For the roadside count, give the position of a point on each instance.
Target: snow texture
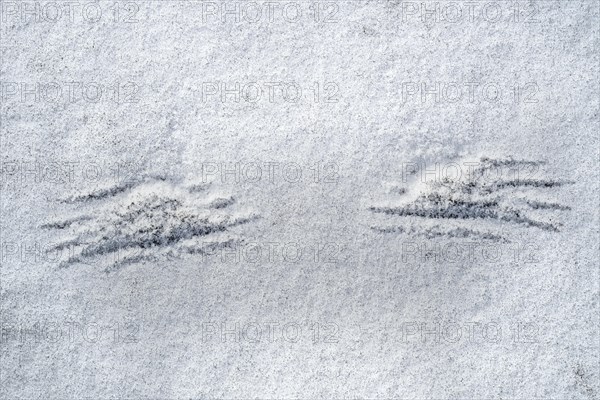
(299, 200)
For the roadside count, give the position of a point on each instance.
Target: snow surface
(163, 238)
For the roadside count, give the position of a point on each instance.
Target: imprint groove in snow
(146, 220)
(477, 197)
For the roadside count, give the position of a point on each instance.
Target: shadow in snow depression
(146, 219)
(491, 200)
